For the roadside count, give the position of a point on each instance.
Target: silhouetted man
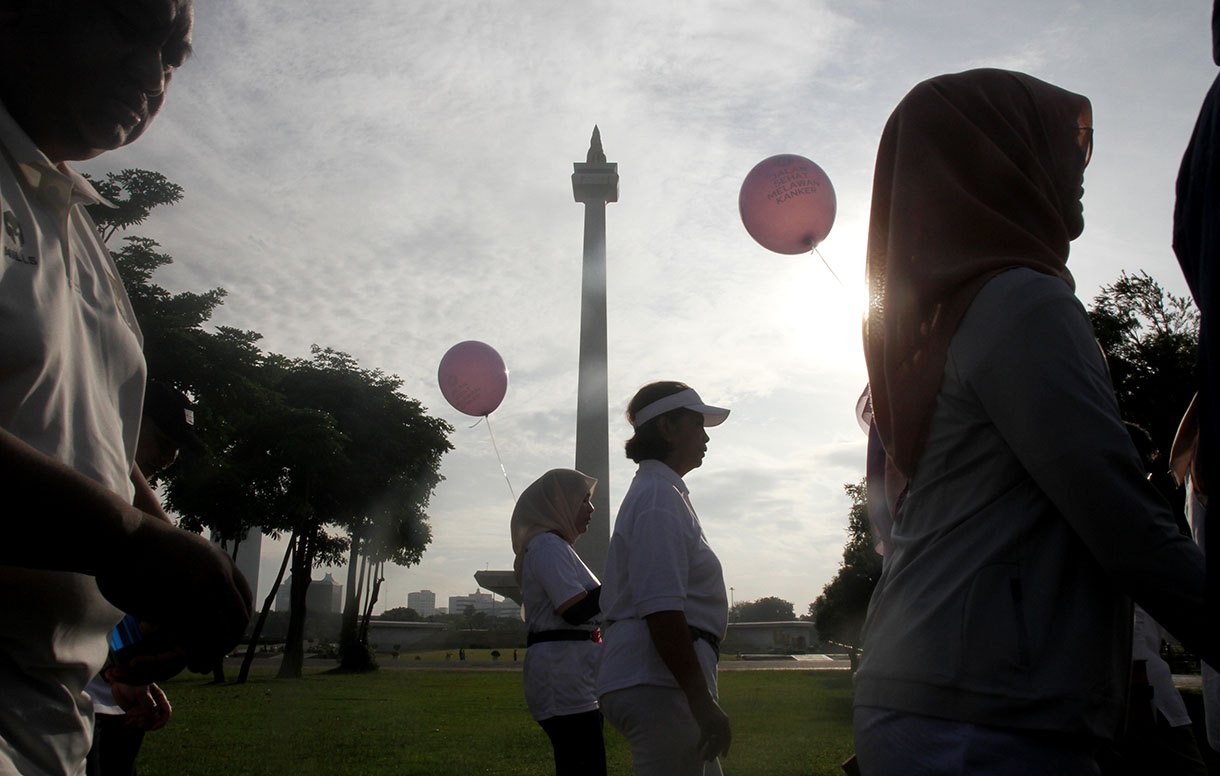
(78, 78)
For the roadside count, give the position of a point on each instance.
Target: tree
(478, 620)
(228, 376)
(175, 343)
(177, 349)
(223, 368)
(385, 474)
(171, 323)
(317, 449)
(326, 453)
(838, 613)
(401, 614)
(134, 194)
(769, 609)
(1149, 337)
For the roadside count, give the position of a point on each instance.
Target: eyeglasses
(1085, 139)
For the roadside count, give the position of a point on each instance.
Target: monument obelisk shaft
(594, 183)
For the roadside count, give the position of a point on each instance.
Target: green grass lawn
(476, 656)
(437, 723)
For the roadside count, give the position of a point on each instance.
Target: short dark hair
(647, 442)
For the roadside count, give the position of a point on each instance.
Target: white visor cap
(687, 399)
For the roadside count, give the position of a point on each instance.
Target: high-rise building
(485, 603)
(422, 601)
(249, 556)
(323, 596)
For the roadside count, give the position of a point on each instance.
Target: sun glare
(823, 314)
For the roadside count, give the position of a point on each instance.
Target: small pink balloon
(787, 204)
(473, 378)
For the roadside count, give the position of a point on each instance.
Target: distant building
(249, 555)
(788, 637)
(422, 601)
(323, 596)
(483, 602)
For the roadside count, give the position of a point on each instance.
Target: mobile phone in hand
(124, 638)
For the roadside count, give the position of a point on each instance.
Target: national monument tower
(594, 182)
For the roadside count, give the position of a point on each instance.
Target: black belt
(710, 638)
(537, 637)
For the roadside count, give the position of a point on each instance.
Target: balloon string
(498, 458)
(828, 267)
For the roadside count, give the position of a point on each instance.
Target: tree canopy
(317, 449)
(1149, 337)
(384, 477)
(401, 614)
(838, 613)
(134, 194)
(769, 609)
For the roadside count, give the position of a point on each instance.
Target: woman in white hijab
(560, 597)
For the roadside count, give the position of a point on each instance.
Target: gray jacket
(1004, 596)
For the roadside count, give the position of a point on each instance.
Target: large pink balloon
(473, 378)
(787, 204)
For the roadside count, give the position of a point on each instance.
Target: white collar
(661, 469)
(43, 175)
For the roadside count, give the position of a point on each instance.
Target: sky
(391, 177)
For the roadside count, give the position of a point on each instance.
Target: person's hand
(155, 658)
(146, 706)
(183, 584)
(714, 733)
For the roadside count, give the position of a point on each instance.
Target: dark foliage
(838, 614)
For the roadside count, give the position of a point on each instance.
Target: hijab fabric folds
(548, 505)
(977, 172)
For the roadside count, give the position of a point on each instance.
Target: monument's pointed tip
(596, 154)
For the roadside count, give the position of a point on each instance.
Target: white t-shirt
(659, 560)
(558, 675)
(71, 385)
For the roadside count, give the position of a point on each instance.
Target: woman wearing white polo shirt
(664, 598)
(560, 595)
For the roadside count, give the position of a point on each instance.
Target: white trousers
(659, 728)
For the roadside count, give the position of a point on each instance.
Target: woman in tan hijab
(997, 639)
(560, 597)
